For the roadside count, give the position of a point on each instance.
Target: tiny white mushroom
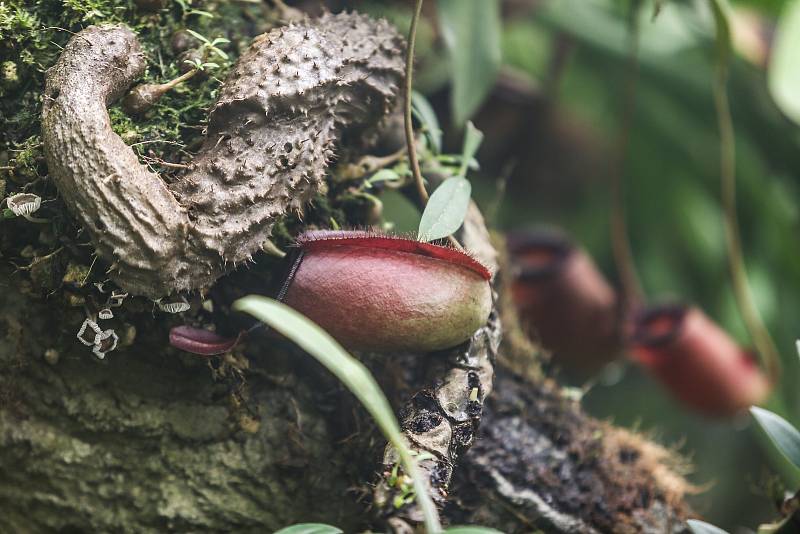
(101, 286)
(173, 307)
(88, 323)
(105, 313)
(25, 204)
(115, 300)
(98, 349)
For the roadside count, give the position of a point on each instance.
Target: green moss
(32, 35)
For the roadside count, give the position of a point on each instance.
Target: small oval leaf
(446, 209)
(784, 65)
(701, 527)
(781, 432)
(310, 528)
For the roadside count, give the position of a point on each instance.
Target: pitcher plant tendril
(632, 293)
(761, 338)
(413, 160)
(409, 127)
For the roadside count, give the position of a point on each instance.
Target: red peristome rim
(316, 239)
(648, 325)
(199, 341)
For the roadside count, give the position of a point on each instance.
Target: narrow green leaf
(784, 65)
(797, 345)
(473, 138)
(721, 10)
(310, 528)
(319, 344)
(219, 52)
(425, 114)
(781, 432)
(446, 209)
(197, 36)
(471, 530)
(471, 30)
(701, 527)
(383, 175)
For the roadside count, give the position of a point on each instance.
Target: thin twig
(632, 293)
(741, 288)
(179, 80)
(409, 127)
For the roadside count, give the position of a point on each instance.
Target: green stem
(741, 288)
(409, 127)
(632, 293)
(179, 80)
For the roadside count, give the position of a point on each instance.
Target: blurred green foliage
(671, 175)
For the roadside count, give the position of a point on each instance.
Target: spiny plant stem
(741, 288)
(409, 127)
(632, 293)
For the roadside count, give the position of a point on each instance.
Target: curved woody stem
(741, 288)
(409, 127)
(413, 160)
(632, 293)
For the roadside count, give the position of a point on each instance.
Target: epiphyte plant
(697, 361)
(270, 136)
(387, 293)
(376, 292)
(564, 300)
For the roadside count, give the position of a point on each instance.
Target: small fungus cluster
(103, 342)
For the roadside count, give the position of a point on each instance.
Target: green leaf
(310, 528)
(781, 432)
(383, 175)
(784, 65)
(473, 138)
(701, 527)
(198, 36)
(319, 344)
(471, 530)
(797, 346)
(445, 210)
(471, 30)
(219, 52)
(721, 10)
(425, 114)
